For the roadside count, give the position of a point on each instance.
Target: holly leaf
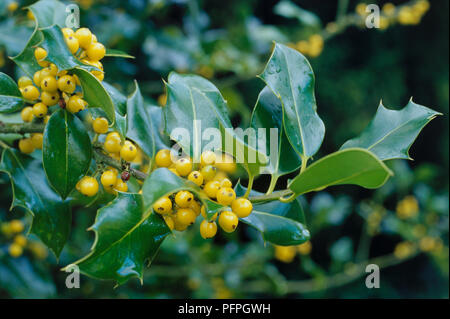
(48, 13)
(118, 54)
(140, 125)
(52, 217)
(391, 133)
(268, 114)
(279, 223)
(11, 99)
(156, 114)
(119, 100)
(95, 94)
(25, 59)
(354, 166)
(126, 235)
(289, 75)
(66, 152)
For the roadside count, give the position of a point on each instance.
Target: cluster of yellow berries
(406, 14)
(408, 207)
(50, 86)
(181, 209)
(287, 254)
(110, 179)
(14, 229)
(312, 47)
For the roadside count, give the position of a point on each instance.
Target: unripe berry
(96, 51)
(163, 205)
(208, 229)
(108, 179)
(183, 166)
(225, 196)
(211, 189)
(37, 139)
(24, 81)
(27, 114)
(30, 92)
(50, 98)
(196, 177)
(75, 104)
(162, 158)
(84, 37)
(67, 84)
(184, 199)
(40, 54)
(100, 125)
(228, 221)
(242, 207)
(26, 146)
(89, 186)
(128, 151)
(40, 109)
(185, 216)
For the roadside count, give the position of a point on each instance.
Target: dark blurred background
(403, 226)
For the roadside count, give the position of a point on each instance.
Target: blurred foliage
(403, 226)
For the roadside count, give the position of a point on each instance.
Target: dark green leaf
(66, 151)
(140, 125)
(118, 54)
(391, 133)
(126, 235)
(354, 166)
(26, 60)
(10, 97)
(48, 13)
(95, 94)
(119, 100)
(52, 217)
(156, 114)
(289, 75)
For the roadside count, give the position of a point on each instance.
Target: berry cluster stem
(21, 128)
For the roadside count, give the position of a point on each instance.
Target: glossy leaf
(354, 166)
(58, 51)
(391, 133)
(156, 114)
(163, 182)
(66, 152)
(48, 13)
(95, 94)
(52, 217)
(195, 104)
(289, 75)
(126, 235)
(118, 54)
(119, 99)
(11, 99)
(140, 125)
(279, 223)
(268, 114)
(26, 60)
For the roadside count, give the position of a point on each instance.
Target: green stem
(249, 186)
(21, 128)
(304, 163)
(273, 196)
(273, 183)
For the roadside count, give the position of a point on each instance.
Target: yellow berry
(37, 139)
(24, 81)
(49, 84)
(96, 51)
(169, 222)
(211, 189)
(67, 32)
(162, 158)
(84, 37)
(12, 6)
(185, 216)
(108, 179)
(27, 114)
(53, 69)
(37, 78)
(228, 221)
(76, 104)
(26, 146)
(163, 205)
(196, 177)
(305, 248)
(46, 118)
(20, 240)
(208, 172)
(173, 170)
(208, 158)
(128, 151)
(100, 125)
(89, 186)
(30, 92)
(285, 254)
(40, 54)
(99, 75)
(16, 226)
(203, 212)
(242, 207)
(121, 186)
(67, 84)
(72, 43)
(208, 229)
(40, 109)
(50, 98)
(195, 206)
(177, 225)
(226, 163)
(15, 250)
(183, 166)
(184, 199)
(225, 196)
(112, 142)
